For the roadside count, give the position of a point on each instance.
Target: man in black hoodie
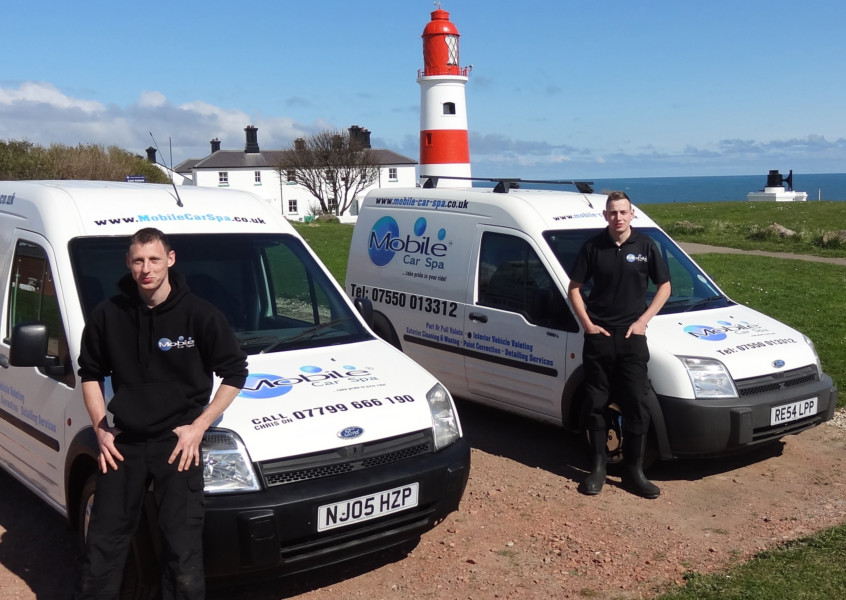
(160, 345)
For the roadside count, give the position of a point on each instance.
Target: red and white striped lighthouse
(444, 147)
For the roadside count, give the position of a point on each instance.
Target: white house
(254, 169)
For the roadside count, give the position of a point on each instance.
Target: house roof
(268, 159)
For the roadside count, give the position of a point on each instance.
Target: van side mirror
(28, 348)
(365, 308)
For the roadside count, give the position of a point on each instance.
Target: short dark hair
(617, 195)
(148, 235)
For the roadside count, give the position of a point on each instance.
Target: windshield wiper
(703, 302)
(308, 333)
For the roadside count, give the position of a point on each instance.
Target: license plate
(793, 411)
(364, 508)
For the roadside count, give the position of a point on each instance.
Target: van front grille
(777, 381)
(346, 459)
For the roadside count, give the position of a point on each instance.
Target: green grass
(331, 242)
(743, 225)
(811, 569)
(802, 294)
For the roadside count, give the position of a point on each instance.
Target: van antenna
(169, 170)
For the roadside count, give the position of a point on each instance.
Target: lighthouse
(444, 147)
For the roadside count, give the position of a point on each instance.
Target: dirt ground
(523, 531)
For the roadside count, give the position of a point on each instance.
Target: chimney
(252, 146)
(151, 155)
(215, 145)
(299, 144)
(359, 137)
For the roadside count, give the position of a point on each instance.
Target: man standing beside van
(614, 316)
(160, 345)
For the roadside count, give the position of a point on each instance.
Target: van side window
(32, 297)
(513, 278)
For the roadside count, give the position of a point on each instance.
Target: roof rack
(504, 184)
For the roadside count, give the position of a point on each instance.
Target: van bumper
(274, 532)
(703, 427)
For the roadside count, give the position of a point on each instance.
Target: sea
(665, 190)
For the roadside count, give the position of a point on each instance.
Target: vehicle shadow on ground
(544, 446)
(37, 545)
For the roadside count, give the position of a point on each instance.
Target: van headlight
(709, 377)
(444, 418)
(226, 464)
(816, 356)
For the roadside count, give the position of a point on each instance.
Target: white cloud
(38, 93)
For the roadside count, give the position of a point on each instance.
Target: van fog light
(444, 419)
(226, 465)
(709, 377)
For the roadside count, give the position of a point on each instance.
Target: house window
(258, 177)
(223, 178)
(449, 108)
(292, 207)
(291, 176)
(392, 173)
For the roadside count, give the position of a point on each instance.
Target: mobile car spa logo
(635, 258)
(261, 386)
(385, 242)
(181, 342)
(719, 332)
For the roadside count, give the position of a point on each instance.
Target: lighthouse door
(517, 320)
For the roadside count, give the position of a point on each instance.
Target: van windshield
(272, 292)
(692, 289)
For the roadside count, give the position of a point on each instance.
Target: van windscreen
(272, 292)
(692, 289)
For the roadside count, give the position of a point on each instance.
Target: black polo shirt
(620, 276)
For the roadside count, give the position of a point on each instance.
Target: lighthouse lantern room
(444, 146)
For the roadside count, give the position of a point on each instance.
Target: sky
(559, 89)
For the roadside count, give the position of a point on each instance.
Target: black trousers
(616, 365)
(118, 503)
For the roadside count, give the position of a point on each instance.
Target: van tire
(383, 328)
(141, 574)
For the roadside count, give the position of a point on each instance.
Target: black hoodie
(160, 360)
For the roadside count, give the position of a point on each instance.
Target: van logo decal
(720, 331)
(778, 364)
(260, 386)
(349, 433)
(385, 241)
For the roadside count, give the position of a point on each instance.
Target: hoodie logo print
(166, 344)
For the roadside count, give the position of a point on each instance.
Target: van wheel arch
(385, 330)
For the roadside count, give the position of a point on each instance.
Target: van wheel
(383, 328)
(141, 574)
(614, 420)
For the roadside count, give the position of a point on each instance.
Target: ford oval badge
(778, 363)
(349, 433)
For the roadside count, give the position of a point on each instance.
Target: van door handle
(478, 317)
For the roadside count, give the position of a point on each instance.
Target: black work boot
(634, 480)
(593, 483)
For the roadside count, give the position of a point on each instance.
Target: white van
(471, 283)
(338, 446)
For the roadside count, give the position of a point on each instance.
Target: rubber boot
(592, 484)
(633, 478)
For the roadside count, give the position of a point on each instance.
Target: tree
(25, 160)
(332, 167)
